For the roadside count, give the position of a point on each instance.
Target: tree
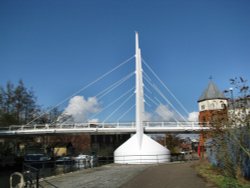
(18, 104)
(173, 143)
(229, 146)
(51, 115)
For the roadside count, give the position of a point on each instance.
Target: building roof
(211, 92)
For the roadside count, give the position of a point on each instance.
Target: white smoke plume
(80, 109)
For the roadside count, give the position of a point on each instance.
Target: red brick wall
(80, 142)
(209, 116)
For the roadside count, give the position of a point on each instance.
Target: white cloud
(80, 108)
(147, 116)
(164, 113)
(93, 121)
(193, 116)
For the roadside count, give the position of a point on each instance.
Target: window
(223, 106)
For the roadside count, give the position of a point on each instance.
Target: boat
(83, 161)
(38, 160)
(65, 160)
(36, 157)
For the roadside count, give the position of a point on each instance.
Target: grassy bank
(215, 176)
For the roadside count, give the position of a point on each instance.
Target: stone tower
(212, 109)
(211, 103)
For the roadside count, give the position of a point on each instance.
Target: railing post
(37, 179)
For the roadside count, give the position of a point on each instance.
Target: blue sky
(58, 47)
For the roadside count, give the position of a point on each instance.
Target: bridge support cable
(114, 101)
(149, 98)
(147, 104)
(145, 75)
(163, 96)
(107, 90)
(83, 88)
(153, 101)
(157, 104)
(147, 89)
(126, 112)
(148, 80)
(126, 100)
(164, 85)
(153, 86)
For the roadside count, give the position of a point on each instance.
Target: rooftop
(211, 92)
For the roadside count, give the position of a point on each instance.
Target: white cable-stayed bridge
(104, 128)
(163, 111)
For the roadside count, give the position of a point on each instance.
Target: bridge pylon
(140, 148)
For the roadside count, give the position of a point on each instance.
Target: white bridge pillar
(140, 149)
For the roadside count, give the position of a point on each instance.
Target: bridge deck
(103, 128)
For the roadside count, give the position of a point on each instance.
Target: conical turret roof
(211, 92)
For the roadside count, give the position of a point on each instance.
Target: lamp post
(232, 97)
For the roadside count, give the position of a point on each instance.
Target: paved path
(173, 175)
(108, 176)
(178, 175)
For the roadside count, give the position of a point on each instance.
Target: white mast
(139, 114)
(140, 149)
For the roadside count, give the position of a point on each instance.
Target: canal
(46, 169)
(53, 168)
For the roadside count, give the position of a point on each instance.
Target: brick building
(212, 103)
(212, 109)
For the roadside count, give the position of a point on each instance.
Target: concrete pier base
(149, 152)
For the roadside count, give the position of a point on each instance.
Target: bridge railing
(172, 124)
(142, 159)
(96, 125)
(162, 124)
